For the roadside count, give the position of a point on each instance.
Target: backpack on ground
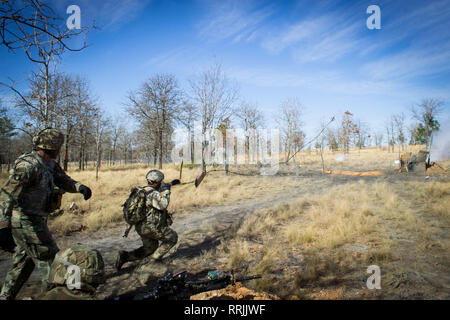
(88, 261)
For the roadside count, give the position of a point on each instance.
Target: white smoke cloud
(341, 158)
(440, 150)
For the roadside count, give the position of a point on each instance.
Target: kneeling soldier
(154, 230)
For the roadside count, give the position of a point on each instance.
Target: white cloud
(236, 20)
(334, 82)
(331, 46)
(325, 38)
(411, 63)
(304, 30)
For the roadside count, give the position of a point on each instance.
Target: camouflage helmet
(154, 176)
(90, 262)
(49, 139)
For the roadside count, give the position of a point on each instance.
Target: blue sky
(319, 51)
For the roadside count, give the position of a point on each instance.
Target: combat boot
(121, 259)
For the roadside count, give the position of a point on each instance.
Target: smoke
(440, 150)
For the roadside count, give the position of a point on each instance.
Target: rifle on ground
(178, 287)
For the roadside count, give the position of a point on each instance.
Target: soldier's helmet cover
(49, 139)
(88, 261)
(154, 176)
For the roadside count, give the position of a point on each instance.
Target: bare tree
(117, 129)
(361, 134)
(215, 96)
(399, 121)
(188, 114)
(156, 104)
(6, 134)
(332, 138)
(378, 138)
(390, 133)
(347, 131)
(412, 132)
(75, 98)
(100, 125)
(125, 144)
(32, 25)
(289, 122)
(250, 118)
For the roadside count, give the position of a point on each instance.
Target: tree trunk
(66, 154)
(160, 149)
(98, 163)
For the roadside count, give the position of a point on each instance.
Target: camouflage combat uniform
(30, 190)
(155, 232)
(155, 228)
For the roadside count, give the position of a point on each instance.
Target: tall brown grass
(112, 188)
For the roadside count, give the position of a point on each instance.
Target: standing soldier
(155, 227)
(32, 191)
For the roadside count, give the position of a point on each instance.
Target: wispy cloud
(412, 62)
(178, 57)
(235, 20)
(303, 30)
(331, 46)
(325, 37)
(335, 82)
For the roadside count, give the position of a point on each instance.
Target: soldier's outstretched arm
(63, 181)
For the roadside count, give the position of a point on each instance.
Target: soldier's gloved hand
(165, 186)
(85, 191)
(175, 182)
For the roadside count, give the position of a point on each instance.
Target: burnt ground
(415, 273)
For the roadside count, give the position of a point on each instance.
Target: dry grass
(348, 225)
(432, 197)
(342, 215)
(113, 186)
(366, 159)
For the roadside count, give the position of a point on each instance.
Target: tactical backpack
(134, 208)
(88, 261)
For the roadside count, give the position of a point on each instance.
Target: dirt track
(204, 229)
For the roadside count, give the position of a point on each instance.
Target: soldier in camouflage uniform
(156, 235)
(30, 194)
